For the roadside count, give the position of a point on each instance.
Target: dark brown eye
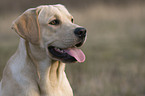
(72, 20)
(55, 22)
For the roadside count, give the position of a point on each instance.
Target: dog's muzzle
(73, 53)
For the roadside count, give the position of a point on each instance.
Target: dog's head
(52, 28)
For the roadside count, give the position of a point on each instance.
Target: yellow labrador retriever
(49, 38)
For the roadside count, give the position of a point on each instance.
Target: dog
(48, 39)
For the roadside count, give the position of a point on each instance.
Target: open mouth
(69, 55)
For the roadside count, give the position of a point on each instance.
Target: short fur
(31, 71)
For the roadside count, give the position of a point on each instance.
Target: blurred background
(115, 48)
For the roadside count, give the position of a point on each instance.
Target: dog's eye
(72, 20)
(55, 22)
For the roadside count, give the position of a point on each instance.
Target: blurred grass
(8, 39)
(115, 50)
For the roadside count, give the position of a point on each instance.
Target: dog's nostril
(80, 32)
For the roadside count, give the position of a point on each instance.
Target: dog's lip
(79, 44)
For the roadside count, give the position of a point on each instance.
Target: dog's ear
(27, 26)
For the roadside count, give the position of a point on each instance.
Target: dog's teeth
(62, 51)
(59, 50)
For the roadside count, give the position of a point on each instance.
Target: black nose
(80, 32)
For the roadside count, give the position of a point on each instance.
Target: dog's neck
(51, 77)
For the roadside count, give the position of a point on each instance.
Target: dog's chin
(60, 54)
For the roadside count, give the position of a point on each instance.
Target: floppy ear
(27, 26)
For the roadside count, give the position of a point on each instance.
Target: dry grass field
(115, 50)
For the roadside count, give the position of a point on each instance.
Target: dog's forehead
(61, 8)
(54, 10)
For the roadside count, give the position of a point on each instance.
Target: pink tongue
(76, 53)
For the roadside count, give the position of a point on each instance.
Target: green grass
(115, 51)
